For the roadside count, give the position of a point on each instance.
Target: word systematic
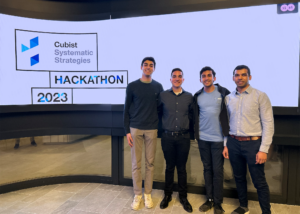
(68, 52)
(116, 79)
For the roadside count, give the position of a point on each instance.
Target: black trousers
(176, 150)
(241, 154)
(213, 162)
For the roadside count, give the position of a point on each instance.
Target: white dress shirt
(250, 114)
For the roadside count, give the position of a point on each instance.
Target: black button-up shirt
(176, 110)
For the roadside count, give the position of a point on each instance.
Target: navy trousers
(176, 150)
(241, 154)
(213, 162)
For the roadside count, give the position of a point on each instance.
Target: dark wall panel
(78, 10)
(57, 10)
(292, 175)
(117, 119)
(27, 124)
(88, 119)
(134, 8)
(287, 130)
(34, 120)
(298, 179)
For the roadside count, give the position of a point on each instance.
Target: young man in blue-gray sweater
(211, 130)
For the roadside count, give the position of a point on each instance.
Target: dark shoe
(241, 210)
(33, 143)
(186, 205)
(16, 146)
(207, 205)
(218, 209)
(165, 202)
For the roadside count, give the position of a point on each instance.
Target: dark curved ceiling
(84, 10)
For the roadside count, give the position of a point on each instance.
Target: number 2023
(56, 97)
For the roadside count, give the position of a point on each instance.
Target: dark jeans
(242, 153)
(213, 161)
(176, 150)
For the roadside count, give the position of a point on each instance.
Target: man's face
(241, 78)
(207, 78)
(177, 79)
(148, 67)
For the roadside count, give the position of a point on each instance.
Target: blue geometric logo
(34, 59)
(33, 43)
(24, 48)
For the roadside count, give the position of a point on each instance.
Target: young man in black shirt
(177, 114)
(140, 123)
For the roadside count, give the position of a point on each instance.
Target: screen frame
(111, 9)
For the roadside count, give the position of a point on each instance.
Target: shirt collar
(146, 81)
(248, 90)
(171, 90)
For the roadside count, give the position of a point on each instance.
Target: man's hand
(261, 157)
(225, 152)
(129, 140)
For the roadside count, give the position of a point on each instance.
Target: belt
(245, 138)
(176, 133)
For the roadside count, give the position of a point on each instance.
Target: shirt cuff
(127, 130)
(264, 148)
(225, 141)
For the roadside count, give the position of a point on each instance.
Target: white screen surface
(102, 57)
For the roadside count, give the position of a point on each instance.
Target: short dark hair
(240, 67)
(207, 68)
(150, 59)
(176, 69)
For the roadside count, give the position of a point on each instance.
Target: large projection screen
(65, 62)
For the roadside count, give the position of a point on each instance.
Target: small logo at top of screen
(33, 43)
(287, 8)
